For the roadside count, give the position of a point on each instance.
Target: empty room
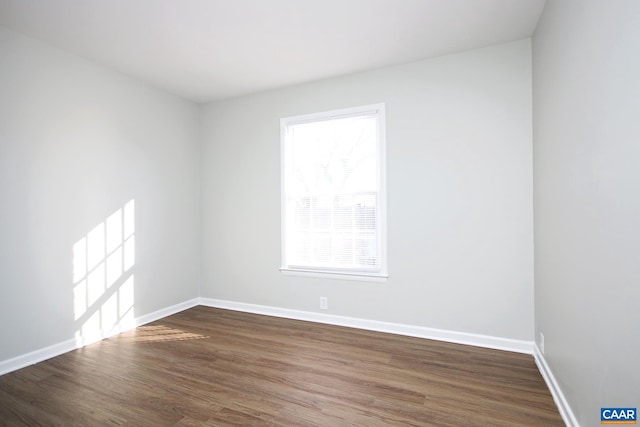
(337, 213)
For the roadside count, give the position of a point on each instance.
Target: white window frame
(378, 275)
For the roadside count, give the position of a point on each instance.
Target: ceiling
(206, 50)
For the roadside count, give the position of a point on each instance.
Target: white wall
(77, 142)
(586, 57)
(459, 195)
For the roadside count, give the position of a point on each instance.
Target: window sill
(361, 276)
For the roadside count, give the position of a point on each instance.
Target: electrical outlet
(542, 342)
(323, 303)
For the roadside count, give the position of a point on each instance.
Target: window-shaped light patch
(103, 283)
(129, 235)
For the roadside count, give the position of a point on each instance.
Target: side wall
(586, 57)
(459, 167)
(78, 143)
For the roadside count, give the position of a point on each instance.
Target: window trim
(378, 275)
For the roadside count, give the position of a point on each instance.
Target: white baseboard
(518, 346)
(34, 357)
(168, 311)
(37, 356)
(561, 402)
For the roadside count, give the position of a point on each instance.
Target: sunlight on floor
(153, 333)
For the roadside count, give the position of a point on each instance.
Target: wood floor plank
(213, 367)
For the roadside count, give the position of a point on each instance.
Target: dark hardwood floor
(212, 367)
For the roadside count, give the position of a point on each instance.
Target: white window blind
(333, 192)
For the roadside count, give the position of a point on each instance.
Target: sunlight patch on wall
(103, 280)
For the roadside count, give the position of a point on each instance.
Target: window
(333, 194)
